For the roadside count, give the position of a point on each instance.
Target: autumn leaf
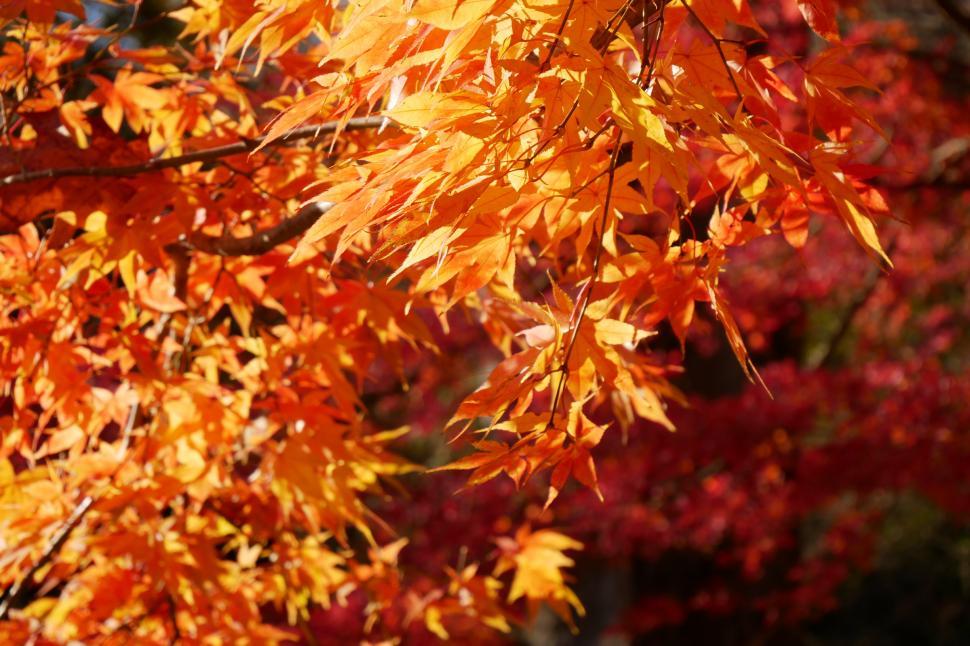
(537, 559)
(129, 96)
(820, 15)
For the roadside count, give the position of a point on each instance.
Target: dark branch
(260, 242)
(828, 353)
(12, 596)
(208, 154)
(951, 9)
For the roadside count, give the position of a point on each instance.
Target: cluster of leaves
(749, 521)
(218, 250)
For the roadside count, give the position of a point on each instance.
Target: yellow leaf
(632, 110)
(64, 439)
(423, 108)
(538, 561)
(6, 474)
(613, 332)
(451, 14)
(126, 267)
(432, 620)
(862, 228)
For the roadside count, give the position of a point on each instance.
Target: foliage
(241, 264)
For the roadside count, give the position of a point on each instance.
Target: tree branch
(260, 242)
(825, 357)
(207, 154)
(12, 596)
(951, 9)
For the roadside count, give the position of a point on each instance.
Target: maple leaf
(129, 96)
(537, 559)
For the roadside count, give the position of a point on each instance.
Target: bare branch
(207, 154)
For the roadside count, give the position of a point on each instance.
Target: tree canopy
(237, 237)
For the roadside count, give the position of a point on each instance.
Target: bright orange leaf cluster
(212, 245)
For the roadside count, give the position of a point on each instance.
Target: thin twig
(555, 42)
(825, 358)
(587, 294)
(609, 34)
(126, 432)
(12, 596)
(717, 44)
(651, 51)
